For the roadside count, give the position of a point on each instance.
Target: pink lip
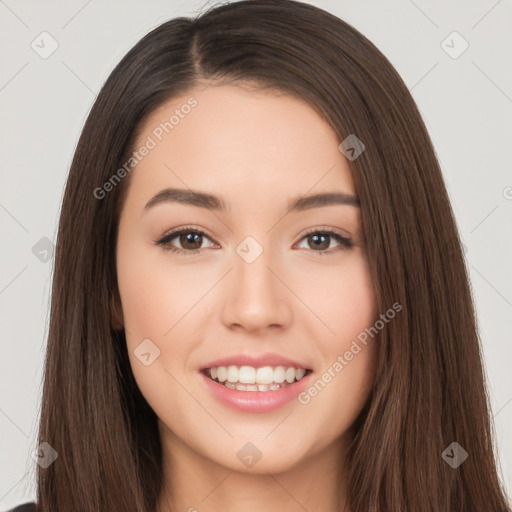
(269, 359)
(255, 401)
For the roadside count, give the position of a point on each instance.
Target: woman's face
(253, 281)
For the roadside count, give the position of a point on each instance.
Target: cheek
(144, 298)
(342, 296)
(160, 302)
(153, 291)
(357, 311)
(354, 303)
(347, 374)
(152, 304)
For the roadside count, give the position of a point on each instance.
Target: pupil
(189, 238)
(316, 237)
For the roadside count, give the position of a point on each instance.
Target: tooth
(265, 375)
(247, 375)
(222, 373)
(279, 374)
(232, 373)
(256, 387)
(290, 375)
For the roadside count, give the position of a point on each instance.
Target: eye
(189, 237)
(191, 240)
(321, 239)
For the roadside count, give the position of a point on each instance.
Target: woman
(315, 347)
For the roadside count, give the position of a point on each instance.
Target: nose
(256, 297)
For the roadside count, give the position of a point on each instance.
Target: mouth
(249, 378)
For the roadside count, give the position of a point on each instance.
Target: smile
(249, 378)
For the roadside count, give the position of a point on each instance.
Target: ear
(116, 312)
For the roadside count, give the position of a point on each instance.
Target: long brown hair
(429, 389)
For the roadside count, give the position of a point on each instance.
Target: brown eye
(319, 241)
(189, 241)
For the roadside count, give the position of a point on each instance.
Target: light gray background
(465, 101)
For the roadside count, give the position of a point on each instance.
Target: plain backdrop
(464, 95)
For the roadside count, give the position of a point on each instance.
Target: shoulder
(26, 507)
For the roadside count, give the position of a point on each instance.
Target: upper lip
(256, 361)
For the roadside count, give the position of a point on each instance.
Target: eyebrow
(211, 202)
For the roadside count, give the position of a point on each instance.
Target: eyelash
(345, 243)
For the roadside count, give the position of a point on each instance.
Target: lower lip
(255, 401)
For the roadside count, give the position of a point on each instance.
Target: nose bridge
(252, 267)
(256, 298)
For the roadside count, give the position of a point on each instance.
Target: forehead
(239, 143)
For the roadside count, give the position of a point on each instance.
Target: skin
(257, 151)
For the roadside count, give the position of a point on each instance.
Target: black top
(26, 507)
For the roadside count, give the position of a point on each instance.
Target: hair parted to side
(430, 385)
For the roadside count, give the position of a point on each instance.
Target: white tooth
(232, 373)
(247, 375)
(290, 375)
(265, 375)
(260, 376)
(263, 387)
(222, 373)
(241, 387)
(279, 374)
(252, 388)
(300, 373)
(229, 385)
(274, 387)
